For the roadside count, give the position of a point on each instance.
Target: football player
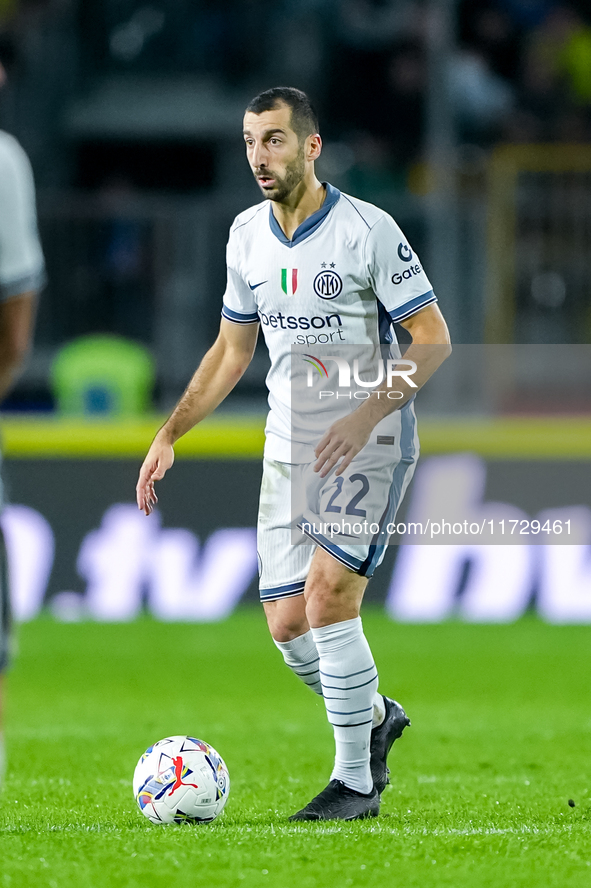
(316, 267)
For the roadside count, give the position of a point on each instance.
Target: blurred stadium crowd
(130, 111)
(520, 70)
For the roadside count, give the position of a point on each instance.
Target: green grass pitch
(500, 740)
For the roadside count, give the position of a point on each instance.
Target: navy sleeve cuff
(405, 311)
(238, 317)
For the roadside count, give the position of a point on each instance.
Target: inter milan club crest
(289, 280)
(328, 284)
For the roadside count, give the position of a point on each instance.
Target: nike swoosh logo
(254, 286)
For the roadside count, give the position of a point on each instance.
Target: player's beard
(294, 173)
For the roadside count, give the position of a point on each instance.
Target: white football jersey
(21, 259)
(344, 277)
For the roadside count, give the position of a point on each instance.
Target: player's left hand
(343, 441)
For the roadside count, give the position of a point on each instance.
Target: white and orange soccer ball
(181, 780)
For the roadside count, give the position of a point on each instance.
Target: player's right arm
(216, 376)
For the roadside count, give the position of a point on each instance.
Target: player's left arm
(348, 436)
(17, 318)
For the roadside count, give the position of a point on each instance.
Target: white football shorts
(350, 516)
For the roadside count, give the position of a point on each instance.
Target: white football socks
(349, 684)
(301, 655)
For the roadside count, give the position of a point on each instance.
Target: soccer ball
(181, 780)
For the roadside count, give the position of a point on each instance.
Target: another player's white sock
(349, 683)
(301, 656)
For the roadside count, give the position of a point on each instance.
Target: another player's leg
(1, 733)
(4, 639)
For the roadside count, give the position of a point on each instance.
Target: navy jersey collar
(310, 224)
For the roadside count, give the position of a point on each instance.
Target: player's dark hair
(304, 120)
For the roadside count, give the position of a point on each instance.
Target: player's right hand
(158, 461)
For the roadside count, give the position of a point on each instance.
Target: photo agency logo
(350, 373)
